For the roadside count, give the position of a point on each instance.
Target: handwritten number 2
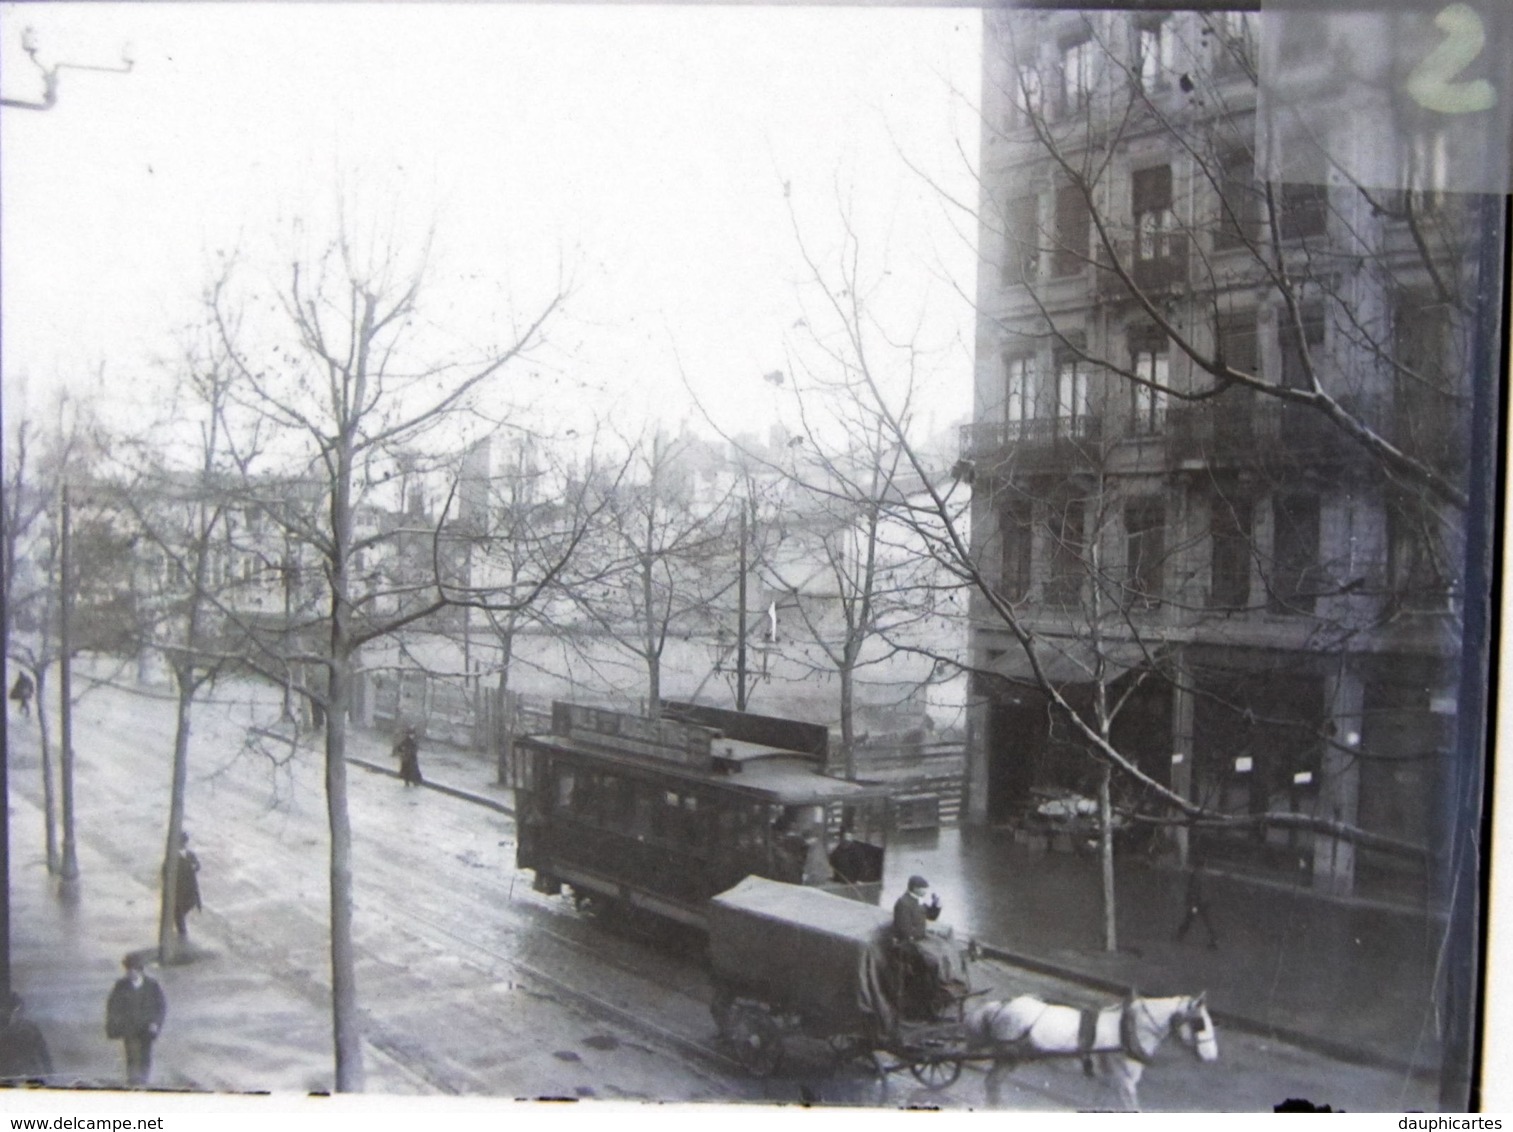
(1432, 84)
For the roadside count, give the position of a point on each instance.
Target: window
(1232, 412)
(1155, 222)
(1236, 336)
(1418, 555)
(1229, 527)
(1076, 75)
(1021, 241)
(1073, 401)
(1065, 534)
(1145, 536)
(1017, 533)
(1155, 52)
(1304, 210)
(1151, 364)
(1028, 95)
(1233, 36)
(1239, 200)
(1022, 389)
(1295, 553)
(1073, 231)
(1299, 355)
(1426, 412)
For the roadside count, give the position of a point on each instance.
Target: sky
(666, 161)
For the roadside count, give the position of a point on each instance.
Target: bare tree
(344, 382)
(30, 599)
(1072, 404)
(60, 524)
(667, 560)
(185, 476)
(525, 504)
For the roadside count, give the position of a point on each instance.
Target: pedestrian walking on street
(134, 1015)
(1195, 902)
(408, 752)
(186, 894)
(21, 692)
(23, 1050)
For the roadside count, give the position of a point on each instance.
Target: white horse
(1123, 1037)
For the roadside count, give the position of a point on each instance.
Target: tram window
(643, 802)
(612, 804)
(667, 824)
(564, 791)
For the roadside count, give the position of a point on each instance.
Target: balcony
(1038, 442)
(1155, 275)
(1242, 429)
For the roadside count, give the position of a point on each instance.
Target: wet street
(471, 983)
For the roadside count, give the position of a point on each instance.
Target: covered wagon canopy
(803, 950)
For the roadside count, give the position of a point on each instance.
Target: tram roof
(789, 778)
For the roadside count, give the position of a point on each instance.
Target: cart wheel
(936, 1074)
(758, 1041)
(721, 1007)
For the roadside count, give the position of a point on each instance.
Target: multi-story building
(1217, 448)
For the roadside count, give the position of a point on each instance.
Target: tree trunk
(653, 684)
(504, 723)
(69, 871)
(49, 797)
(168, 937)
(848, 723)
(346, 1025)
(1106, 858)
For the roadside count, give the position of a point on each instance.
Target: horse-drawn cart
(790, 960)
(794, 961)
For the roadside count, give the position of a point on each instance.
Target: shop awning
(1075, 660)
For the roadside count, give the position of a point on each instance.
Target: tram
(659, 815)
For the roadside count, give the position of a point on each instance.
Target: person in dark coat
(134, 1014)
(912, 915)
(21, 692)
(937, 952)
(23, 1050)
(186, 896)
(408, 752)
(1195, 903)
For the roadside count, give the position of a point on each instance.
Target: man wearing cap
(134, 1014)
(913, 914)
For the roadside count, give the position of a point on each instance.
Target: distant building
(1269, 605)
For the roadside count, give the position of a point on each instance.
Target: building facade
(1217, 450)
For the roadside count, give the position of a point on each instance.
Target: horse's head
(1195, 1029)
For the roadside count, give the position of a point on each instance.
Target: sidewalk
(1351, 980)
(276, 1040)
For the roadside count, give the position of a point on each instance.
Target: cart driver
(914, 916)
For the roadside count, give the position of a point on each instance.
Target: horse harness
(1087, 1031)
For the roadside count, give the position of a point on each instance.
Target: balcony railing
(1037, 438)
(1155, 275)
(1241, 429)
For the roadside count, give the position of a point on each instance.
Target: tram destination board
(664, 740)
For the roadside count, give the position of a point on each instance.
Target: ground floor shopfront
(1366, 740)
